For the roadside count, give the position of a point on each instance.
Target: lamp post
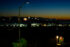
(20, 40)
(19, 21)
(57, 39)
(20, 7)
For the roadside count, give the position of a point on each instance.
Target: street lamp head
(24, 3)
(27, 2)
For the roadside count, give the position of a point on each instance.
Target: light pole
(19, 32)
(57, 39)
(20, 7)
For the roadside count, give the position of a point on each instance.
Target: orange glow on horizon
(59, 17)
(54, 16)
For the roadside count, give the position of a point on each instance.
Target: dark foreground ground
(36, 37)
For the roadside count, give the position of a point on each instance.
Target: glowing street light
(57, 40)
(20, 7)
(57, 37)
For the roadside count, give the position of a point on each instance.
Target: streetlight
(57, 39)
(26, 2)
(19, 14)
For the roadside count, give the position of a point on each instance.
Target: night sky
(59, 9)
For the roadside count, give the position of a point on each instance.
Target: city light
(14, 25)
(60, 25)
(25, 19)
(23, 25)
(17, 25)
(44, 25)
(57, 37)
(49, 25)
(35, 25)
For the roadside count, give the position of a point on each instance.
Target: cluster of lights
(51, 24)
(44, 25)
(15, 25)
(60, 40)
(23, 25)
(33, 18)
(60, 25)
(35, 25)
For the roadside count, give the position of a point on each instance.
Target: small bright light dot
(25, 19)
(60, 24)
(44, 25)
(57, 37)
